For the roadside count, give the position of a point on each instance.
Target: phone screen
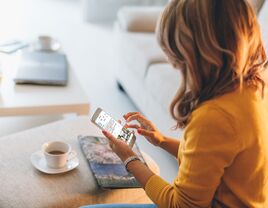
(107, 123)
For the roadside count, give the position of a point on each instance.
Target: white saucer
(39, 162)
(55, 46)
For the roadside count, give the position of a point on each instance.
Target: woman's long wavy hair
(217, 46)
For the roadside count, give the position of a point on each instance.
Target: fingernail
(139, 131)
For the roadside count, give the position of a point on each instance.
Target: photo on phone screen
(107, 123)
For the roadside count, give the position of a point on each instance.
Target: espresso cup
(57, 154)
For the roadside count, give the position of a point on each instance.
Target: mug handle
(71, 155)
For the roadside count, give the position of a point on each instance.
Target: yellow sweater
(223, 156)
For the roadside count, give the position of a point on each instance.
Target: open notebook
(106, 166)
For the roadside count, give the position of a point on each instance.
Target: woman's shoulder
(230, 110)
(212, 125)
(211, 113)
(231, 105)
(221, 112)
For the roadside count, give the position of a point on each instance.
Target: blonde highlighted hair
(217, 46)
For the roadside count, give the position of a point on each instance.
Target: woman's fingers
(137, 117)
(129, 114)
(132, 115)
(133, 126)
(146, 133)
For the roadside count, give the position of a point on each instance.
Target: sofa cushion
(106, 10)
(263, 19)
(139, 19)
(139, 51)
(163, 81)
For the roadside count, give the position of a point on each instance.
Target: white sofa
(105, 10)
(142, 69)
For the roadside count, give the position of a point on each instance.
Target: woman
(222, 104)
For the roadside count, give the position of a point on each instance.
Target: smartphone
(104, 121)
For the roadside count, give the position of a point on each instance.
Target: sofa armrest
(138, 19)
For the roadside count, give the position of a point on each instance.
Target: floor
(89, 48)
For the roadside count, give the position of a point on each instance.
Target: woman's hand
(119, 147)
(145, 128)
(141, 172)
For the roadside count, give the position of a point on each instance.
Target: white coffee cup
(57, 154)
(45, 42)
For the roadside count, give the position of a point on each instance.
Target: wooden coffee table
(21, 185)
(20, 100)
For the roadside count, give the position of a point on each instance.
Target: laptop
(42, 68)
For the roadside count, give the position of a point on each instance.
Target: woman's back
(247, 176)
(228, 135)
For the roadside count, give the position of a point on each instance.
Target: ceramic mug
(57, 154)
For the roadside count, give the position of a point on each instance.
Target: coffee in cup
(57, 154)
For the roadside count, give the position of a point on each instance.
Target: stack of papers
(11, 46)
